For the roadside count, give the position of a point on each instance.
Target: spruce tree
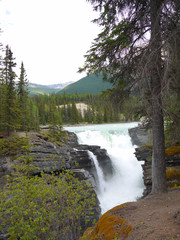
(130, 49)
(22, 93)
(74, 113)
(3, 89)
(55, 120)
(10, 101)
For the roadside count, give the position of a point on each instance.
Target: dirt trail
(156, 217)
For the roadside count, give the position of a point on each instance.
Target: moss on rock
(109, 226)
(173, 174)
(173, 150)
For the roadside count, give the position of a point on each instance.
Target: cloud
(49, 36)
(7, 12)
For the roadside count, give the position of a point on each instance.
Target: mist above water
(126, 184)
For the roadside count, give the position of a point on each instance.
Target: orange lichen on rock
(109, 226)
(173, 174)
(173, 150)
(174, 184)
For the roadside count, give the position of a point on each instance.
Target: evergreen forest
(19, 111)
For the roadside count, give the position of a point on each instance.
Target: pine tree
(130, 49)
(22, 93)
(3, 90)
(32, 115)
(74, 113)
(10, 100)
(53, 116)
(55, 119)
(2, 94)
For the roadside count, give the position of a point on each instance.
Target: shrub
(13, 145)
(56, 134)
(46, 207)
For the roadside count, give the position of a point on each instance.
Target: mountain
(90, 84)
(38, 89)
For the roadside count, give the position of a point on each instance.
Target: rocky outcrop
(47, 156)
(140, 135)
(80, 156)
(84, 161)
(143, 138)
(144, 154)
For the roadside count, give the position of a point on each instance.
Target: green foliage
(44, 207)
(9, 104)
(13, 145)
(74, 113)
(172, 122)
(16, 110)
(56, 134)
(22, 95)
(100, 109)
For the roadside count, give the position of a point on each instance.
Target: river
(126, 184)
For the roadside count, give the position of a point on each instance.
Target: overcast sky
(49, 36)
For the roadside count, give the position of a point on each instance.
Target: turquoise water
(120, 128)
(126, 184)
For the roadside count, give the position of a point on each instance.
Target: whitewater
(126, 184)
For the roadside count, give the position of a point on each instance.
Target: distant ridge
(39, 89)
(91, 84)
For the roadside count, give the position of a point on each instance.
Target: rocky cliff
(140, 135)
(48, 157)
(143, 139)
(51, 157)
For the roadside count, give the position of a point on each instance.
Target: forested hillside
(91, 84)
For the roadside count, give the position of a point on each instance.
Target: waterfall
(126, 184)
(100, 181)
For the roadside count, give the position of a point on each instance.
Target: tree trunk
(159, 184)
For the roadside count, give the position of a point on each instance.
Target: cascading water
(101, 180)
(126, 184)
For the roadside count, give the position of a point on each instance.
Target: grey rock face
(49, 156)
(140, 136)
(101, 155)
(145, 154)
